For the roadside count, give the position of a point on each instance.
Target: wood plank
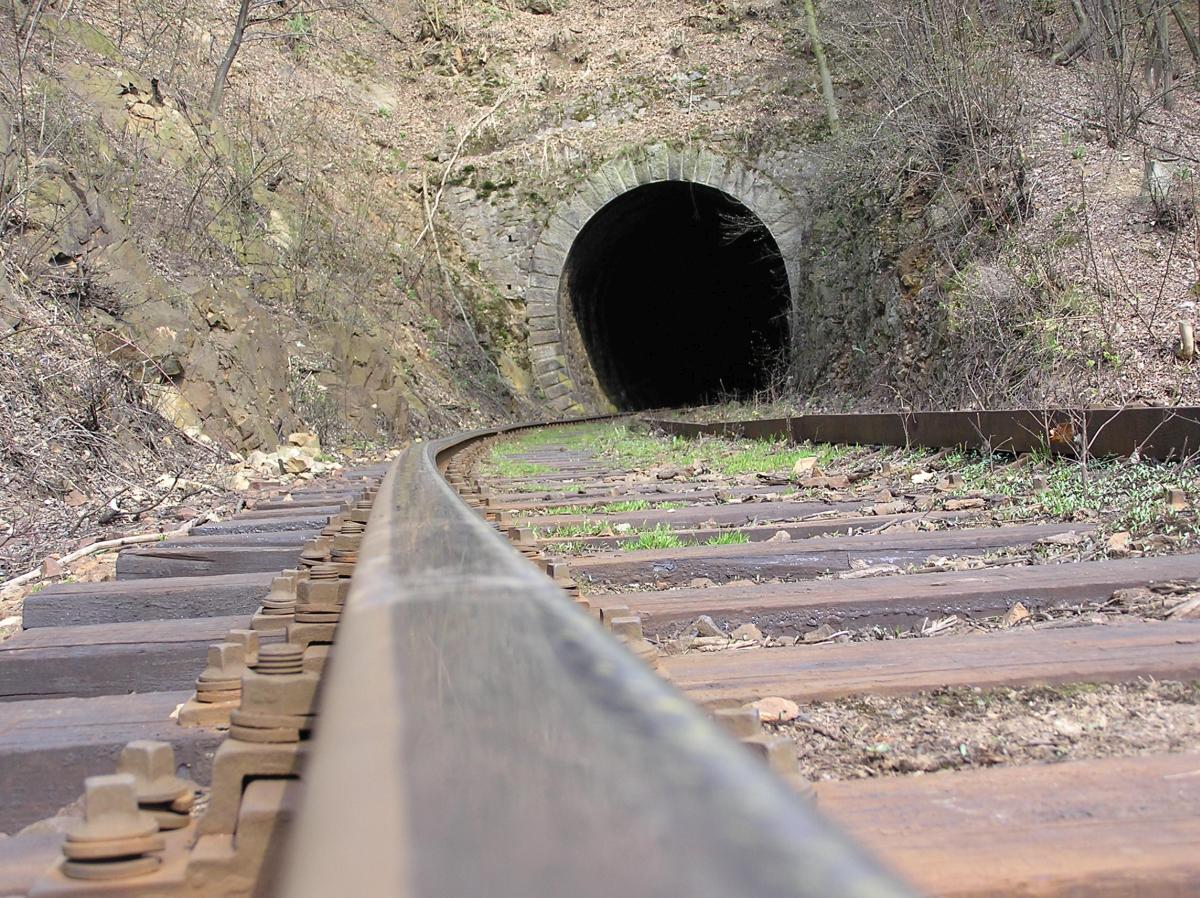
(803, 558)
(262, 525)
(171, 598)
(48, 746)
(200, 560)
(109, 659)
(733, 513)
(1109, 828)
(818, 527)
(270, 538)
(307, 511)
(650, 491)
(1116, 652)
(290, 504)
(905, 599)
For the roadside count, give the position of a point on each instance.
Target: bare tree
(252, 13)
(814, 35)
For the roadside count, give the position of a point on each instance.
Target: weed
(731, 538)
(506, 467)
(661, 537)
(577, 531)
(619, 507)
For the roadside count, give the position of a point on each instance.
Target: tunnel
(680, 296)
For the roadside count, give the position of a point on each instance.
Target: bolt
(114, 839)
(282, 597)
(280, 658)
(221, 680)
(152, 765)
(248, 640)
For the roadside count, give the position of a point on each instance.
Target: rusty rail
(1156, 433)
(480, 735)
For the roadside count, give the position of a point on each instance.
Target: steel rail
(1155, 433)
(479, 735)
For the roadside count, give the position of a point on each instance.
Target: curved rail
(480, 735)
(1162, 433)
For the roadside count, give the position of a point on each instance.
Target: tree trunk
(1162, 46)
(831, 110)
(1188, 34)
(231, 52)
(1079, 41)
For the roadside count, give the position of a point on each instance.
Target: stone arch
(559, 367)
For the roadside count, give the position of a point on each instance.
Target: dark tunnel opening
(680, 295)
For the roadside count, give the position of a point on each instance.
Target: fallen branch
(437, 198)
(102, 546)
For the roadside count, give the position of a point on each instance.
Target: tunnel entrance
(680, 296)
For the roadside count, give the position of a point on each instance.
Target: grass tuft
(661, 537)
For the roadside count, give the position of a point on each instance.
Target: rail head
(479, 735)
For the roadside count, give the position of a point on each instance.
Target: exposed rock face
(216, 345)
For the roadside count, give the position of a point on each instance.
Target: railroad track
(558, 719)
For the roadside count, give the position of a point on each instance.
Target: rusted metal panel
(480, 735)
(1155, 433)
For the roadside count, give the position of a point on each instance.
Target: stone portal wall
(526, 262)
(560, 367)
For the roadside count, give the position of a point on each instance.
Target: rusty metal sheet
(479, 735)
(1155, 433)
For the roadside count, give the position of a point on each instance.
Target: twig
(437, 198)
(36, 574)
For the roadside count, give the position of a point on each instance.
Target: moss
(83, 34)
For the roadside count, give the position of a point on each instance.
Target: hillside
(337, 246)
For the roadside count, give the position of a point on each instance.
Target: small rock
(781, 536)
(74, 499)
(1176, 500)
(1070, 538)
(776, 710)
(700, 583)
(185, 513)
(666, 473)
(1118, 544)
(238, 483)
(1065, 726)
(1014, 615)
(951, 481)
(705, 626)
(923, 477)
(883, 508)
(820, 634)
(1039, 484)
(51, 567)
(297, 464)
(304, 438)
(963, 504)
(747, 631)
(805, 466)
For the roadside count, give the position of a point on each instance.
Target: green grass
(732, 538)
(661, 537)
(628, 447)
(1116, 494)
(559, 509)
(507, 467)
(619, 507)
(574, 531)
